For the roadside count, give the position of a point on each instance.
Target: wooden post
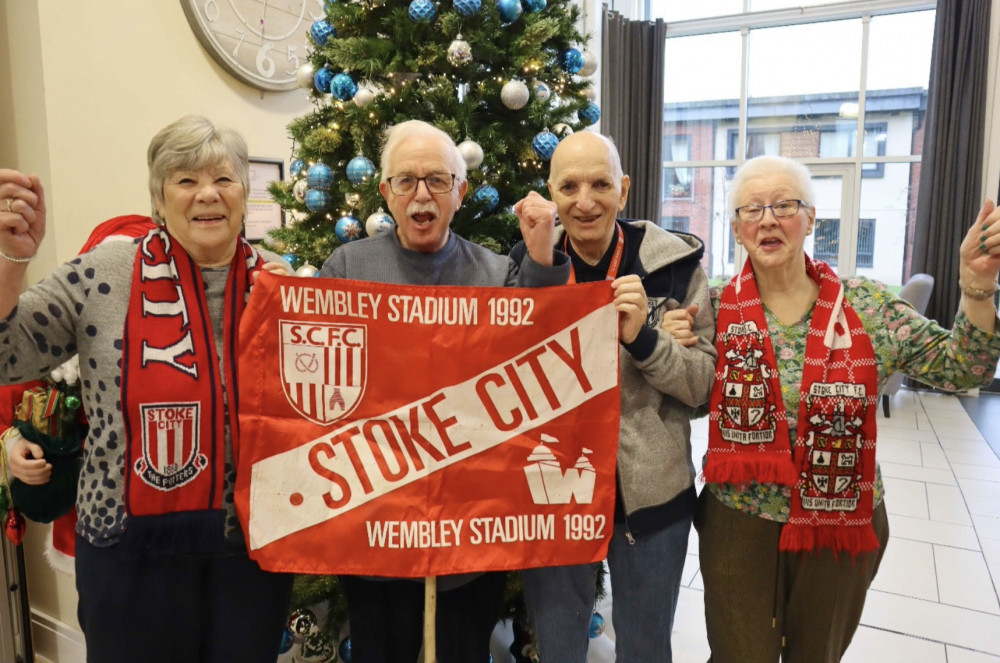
(430, 619)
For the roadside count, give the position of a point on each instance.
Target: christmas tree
(506, 79)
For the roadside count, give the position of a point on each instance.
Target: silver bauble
(306, 270)
(304, 76)
(364, 96)
(591, 94)
(299, 189)
(471, 152)
(459, 52)
(514, 94)
(562, 130)
(542, 90)
(589, 64)
(353, 198)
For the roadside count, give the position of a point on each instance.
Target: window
(866, 243)
(676, 181)
(840, 141)
(750, 95)
(827, 243)
(681, 223)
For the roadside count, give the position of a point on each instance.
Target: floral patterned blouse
(903, 340)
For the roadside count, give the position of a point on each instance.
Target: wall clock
(260, 42)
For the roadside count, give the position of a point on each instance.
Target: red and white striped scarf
(831, 467)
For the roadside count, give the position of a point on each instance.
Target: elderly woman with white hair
(792, 522)
(161, 564)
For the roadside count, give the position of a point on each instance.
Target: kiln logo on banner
(323, 368)
(550, 484)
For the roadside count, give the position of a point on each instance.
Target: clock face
(261, 42)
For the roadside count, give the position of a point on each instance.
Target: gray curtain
(951, 169)
(632, 106)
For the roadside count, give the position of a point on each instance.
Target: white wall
(84, 85)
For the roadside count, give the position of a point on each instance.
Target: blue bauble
(533, 5)
(287, 638)
(322, 30)
(348, 229)
(544, 144)
(487, 196)
(596, 625)
(319, 176)
(467, 7)
(290, 258)
(297, 167)
(344, 650)
(422, 10)
(318, 200)
(508, 10)
(571, 60)
(360, 169)
(589, 114)
(343, 87)
(322, 78)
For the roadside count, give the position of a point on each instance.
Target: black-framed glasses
(404, 185)
(780, 209)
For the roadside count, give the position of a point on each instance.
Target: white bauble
(377, 223)
(591, 94)
(306, 270)
(364, 96)
(471, 152)
(542, 90)
(299, 189)
(589, 64)
(304, 76)
(514, 94)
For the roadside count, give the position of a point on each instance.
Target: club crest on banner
(834, 440)
(170, 446)
(323, 368)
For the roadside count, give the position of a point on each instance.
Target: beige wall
(84, 85)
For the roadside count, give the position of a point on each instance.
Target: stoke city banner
(412, 431)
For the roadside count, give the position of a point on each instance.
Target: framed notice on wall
(263, 213)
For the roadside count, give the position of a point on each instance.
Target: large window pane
(890, 203)
(793, 100)
(675, 10)
(704, 215)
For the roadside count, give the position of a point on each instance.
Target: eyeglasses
(404, 185)
(780, 209)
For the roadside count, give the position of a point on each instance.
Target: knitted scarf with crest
(831, 467)
(177, 397)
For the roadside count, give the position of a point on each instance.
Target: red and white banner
(414, 431)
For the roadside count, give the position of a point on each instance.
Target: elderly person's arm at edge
(22, 227)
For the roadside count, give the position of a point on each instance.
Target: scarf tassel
(761, 468)
(838, 538)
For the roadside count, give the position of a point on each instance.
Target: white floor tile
(960, 655)
(907, 569)
(871, 644)
(976, 472)
(688, 641)
(933, 621)
(929, 531)
(690, 569)
(934, 456)
(986, 527)
(980, 458)
(947, 505)
(925, 474)
(964, 580)
(898, 450)
(907, 433)
(906, 498)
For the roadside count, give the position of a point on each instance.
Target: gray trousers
(756, 596)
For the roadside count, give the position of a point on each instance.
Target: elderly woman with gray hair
(792, 522)
(161, 564)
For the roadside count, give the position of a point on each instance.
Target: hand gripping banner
(411, 431)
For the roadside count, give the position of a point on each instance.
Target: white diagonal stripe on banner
(455, 420)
